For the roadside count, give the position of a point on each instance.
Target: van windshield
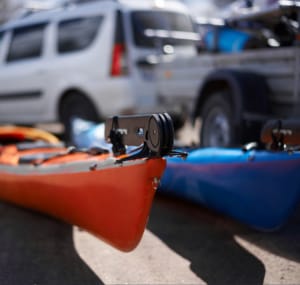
(160, 27)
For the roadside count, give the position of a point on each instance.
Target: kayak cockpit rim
(68, 167)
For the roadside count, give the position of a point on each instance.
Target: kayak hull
(113, 202)
(258, 188)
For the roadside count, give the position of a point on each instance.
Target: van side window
(77, 34)
(26, 43)
(1, 37)
(1, 43)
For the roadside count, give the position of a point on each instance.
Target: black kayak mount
(154, 134)
(281, 134)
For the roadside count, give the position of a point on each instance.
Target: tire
(75, 105)
(178, 120)
(217, 129)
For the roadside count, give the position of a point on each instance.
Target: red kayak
(108, 195)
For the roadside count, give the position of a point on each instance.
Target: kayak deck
(259, 188)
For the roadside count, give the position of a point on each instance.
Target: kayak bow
(110, 196)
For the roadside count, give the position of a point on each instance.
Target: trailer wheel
(217, 129)
(75, 105)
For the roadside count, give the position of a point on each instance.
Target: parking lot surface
(183, 244)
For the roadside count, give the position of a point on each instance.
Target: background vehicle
(235, 91)
(83, 61)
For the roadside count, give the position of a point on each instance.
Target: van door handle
(148, 61)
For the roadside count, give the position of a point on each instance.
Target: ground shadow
(283, 242)
(36, 249)
(206, 240)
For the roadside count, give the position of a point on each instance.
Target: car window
(1, 43)
(159, 20)
(26, 43)
(1, 37)
(77, 34)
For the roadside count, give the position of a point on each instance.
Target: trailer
(235, 93)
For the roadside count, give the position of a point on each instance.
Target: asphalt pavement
(183, 244)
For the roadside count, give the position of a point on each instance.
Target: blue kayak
(259, 188)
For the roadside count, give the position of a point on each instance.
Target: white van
(86, 60)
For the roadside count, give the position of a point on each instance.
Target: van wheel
(217, 129)
(73, 106)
